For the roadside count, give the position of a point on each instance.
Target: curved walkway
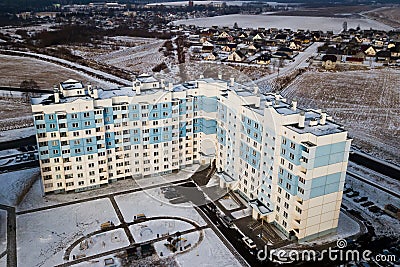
(124, 225)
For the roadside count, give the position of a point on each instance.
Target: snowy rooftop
(317, 130)
(71, 84)
(146, 78)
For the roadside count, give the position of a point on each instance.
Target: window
(290, 166)
(301, 190)
(298, 209)
(284, 141)
(292, 145)
(291, 156)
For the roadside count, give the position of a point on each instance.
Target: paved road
(299, 59)
(376, 164)
(374, 184)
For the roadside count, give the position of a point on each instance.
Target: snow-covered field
(135, 54)
(14, 184)
(283, 22)
(43, 236)
(210, 252)
(367, 103)
(152, 203)
(46, 74)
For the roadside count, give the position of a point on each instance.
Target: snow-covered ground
(152, 203)
(16, 134)
(385, 181)
(3, 261)
(78, 66)
(242, 213)
(34, 199)
(15, 184)
(101, 243)
(189, 240)
(375, 195)
(210, 252)
(383, 224)
(149, 230)
(284, 22)
(3, 230)
(357, 100)
(229, 203)
(43, 236)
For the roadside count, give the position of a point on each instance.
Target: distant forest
(34, 5)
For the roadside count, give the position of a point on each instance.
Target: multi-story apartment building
(289, 163)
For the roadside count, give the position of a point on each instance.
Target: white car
(250, 243)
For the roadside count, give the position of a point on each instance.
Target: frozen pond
(283, 22)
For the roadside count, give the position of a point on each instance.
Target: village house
(236, 56)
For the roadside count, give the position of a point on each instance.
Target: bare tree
(27, 86)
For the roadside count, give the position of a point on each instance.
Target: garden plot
(3, 230)
(151, 229)
(100, 243)
(210, 252)
(43, 236)
(367, 103)
(152, 203)
(187, 242)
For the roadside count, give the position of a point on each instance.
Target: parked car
(226, 220)
(360, 199)
(367, 204)
(353, 194)
(18, 158)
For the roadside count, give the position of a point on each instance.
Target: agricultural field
(366, 103)
(282, 22)
(16, 109)
(135, 54)
(387, 15)
(45, 74)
